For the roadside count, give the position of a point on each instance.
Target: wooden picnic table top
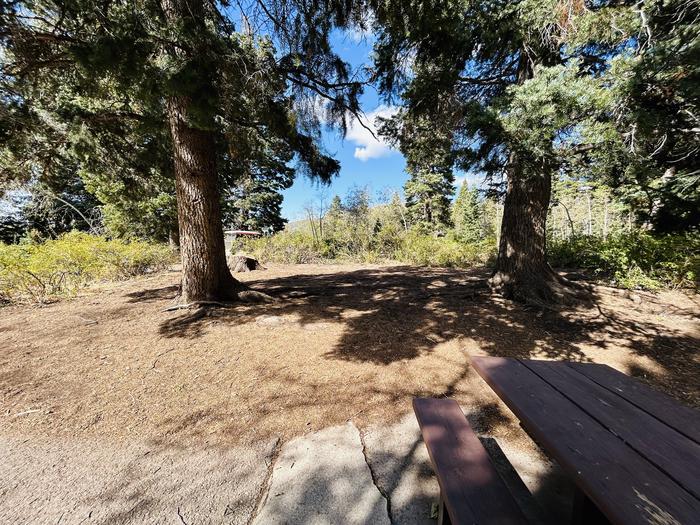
(634, 452)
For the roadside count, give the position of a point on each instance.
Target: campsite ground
(110, 375)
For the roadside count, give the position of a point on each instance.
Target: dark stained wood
(684, 419)
(671, 452)
(471, 488)
(623, 484)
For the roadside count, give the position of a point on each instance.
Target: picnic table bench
(471, 490)
(632, 453)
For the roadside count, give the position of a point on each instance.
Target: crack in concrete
(373, 474)
(179, 515)
(265, 486)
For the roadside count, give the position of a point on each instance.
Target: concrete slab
(91, 481)
(322, 479)
(402, 470)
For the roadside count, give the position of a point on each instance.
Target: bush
(285, 247)
(384, 245)
(42, 271)
(425, 250)
(634, 260)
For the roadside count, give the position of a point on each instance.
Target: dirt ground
(342, 342)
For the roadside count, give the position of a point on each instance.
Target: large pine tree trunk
(522, 272)
(205, 275)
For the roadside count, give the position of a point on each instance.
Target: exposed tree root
(194, 304)
(546, 289)
(255, 297)
(240, 294)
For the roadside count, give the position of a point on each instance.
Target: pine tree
(429, 161)
(517, 87)
(256, 203)
(467, 214)
(180, 67)
(428, 192)
(657, 112)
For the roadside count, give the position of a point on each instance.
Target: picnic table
(632, 452)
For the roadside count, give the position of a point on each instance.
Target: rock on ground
(322, 479)
(93, 481)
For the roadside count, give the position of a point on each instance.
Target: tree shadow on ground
(398, 313)
(154, 294)
(390, 314)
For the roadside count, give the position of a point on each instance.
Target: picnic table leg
(585, 512)
(443, 516)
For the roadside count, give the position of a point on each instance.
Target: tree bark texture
(522, 272)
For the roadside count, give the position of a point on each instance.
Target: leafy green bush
(43, 271)
(426, 250)
(285, 247)
(384, 245)
(634, 260)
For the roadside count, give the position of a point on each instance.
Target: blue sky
(364, 160)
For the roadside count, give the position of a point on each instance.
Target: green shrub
(285, 247)
(385, 245)
(425, 250)
(634, 260)
(43, 271)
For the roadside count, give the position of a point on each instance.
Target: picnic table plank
(625, 486)
(672, 452)
(684, 419)
(471, 488)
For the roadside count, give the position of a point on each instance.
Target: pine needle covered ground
(342, 342)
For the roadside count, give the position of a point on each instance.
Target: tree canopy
(533, 89)
(139, 96)
(181, 115)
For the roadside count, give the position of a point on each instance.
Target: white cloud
(370, 147)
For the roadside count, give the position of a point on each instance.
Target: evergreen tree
(180, 67)
(336, 207)
(467, 214)
(335, 226)
(428, 192)
(429, 160)
(256, 203)
(657, 110)
(60, 207)
(398, 212)
(519, 88)
(13, 225)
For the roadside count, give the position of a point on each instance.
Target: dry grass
(342, 342)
